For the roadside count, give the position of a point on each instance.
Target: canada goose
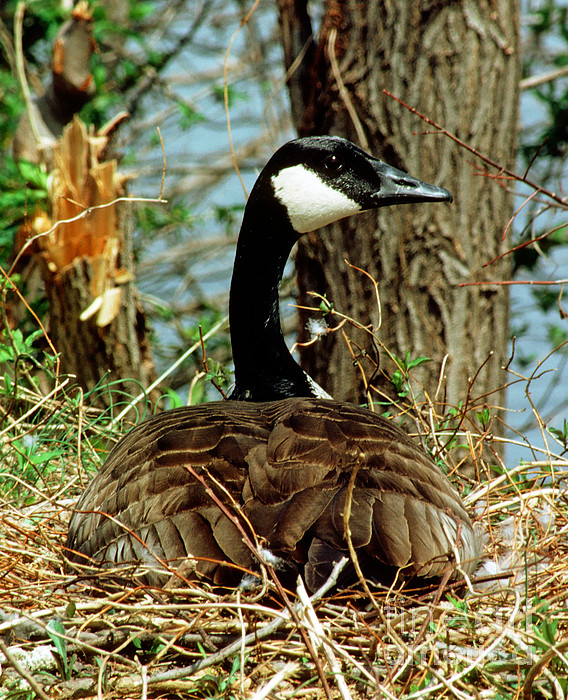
(284, 452)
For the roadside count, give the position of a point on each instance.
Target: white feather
(316, 388)
(317, 327)
(310, 202)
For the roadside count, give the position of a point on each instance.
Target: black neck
(264, 368)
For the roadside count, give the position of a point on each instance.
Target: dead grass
(503, 634)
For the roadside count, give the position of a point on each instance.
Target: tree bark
(457, 63)
(70, 88)
(96, 321)
(115, 359)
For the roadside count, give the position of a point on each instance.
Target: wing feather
(286, 464)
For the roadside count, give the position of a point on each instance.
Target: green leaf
(43, 457)
(29, 340)
(233, 95)
(417, 361)
(141, 10)
(546, 631)
(18, 340)
(484, 417)
(33, 175)
(556, 336)
(174, 397)
(325, 305)
(7, 381)
(189, 116)
(54, 629)
(458, 604)
(398, 380)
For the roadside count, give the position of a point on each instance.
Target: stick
(22, 672)
(133, 683)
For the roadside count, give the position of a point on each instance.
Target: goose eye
(332, 165)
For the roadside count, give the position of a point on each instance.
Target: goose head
(308, 183)
(321, 179)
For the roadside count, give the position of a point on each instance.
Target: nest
(502, 633)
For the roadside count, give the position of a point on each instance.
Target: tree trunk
(96, 321)
(70, 88)
(115, 359)
(457, 63)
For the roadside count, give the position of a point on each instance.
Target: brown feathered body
(284, 468)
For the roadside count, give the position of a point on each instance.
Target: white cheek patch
(310, 202)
